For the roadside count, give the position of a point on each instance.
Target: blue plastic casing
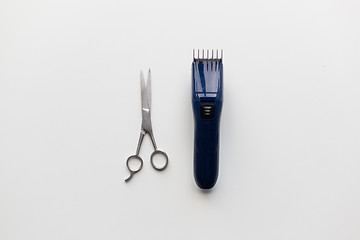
(207, 97)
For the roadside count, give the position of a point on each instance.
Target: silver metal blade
(144, 100)
(145, 91)
(148, 88)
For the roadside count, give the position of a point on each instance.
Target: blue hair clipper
(207, 97)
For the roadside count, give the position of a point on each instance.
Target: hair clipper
(207, 98)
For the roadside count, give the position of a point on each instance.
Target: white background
(70, 116)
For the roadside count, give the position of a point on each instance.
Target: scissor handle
(159, 152)
(133, 171)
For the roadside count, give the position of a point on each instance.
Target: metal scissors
(146, 128)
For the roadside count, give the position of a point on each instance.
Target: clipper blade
(208, 55)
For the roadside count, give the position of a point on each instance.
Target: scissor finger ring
(133, 170)
(156, 166)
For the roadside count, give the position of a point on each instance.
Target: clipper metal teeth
(207, 55)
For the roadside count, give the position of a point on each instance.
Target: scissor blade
(148, 87)
(144, 100)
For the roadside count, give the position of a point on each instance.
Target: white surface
(70, 116)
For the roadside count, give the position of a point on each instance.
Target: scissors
(146, 128)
